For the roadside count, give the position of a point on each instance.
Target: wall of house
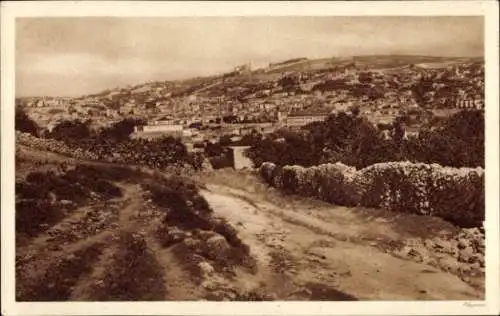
(162, 128)
(239, 160)
(303, 120)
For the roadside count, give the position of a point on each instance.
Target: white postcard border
(489, 9)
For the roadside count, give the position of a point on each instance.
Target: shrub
(460, 198)
(291, 178)
(107, 189)
(70, 131)
(266, 171)
(222, 161)
(309, 185)
(58, 281)
(31, 214)
(453, 194)
(30, 190)
(180, 198)
(138, 279)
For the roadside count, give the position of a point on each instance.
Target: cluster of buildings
(239, 104)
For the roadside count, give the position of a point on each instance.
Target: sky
(82, 55)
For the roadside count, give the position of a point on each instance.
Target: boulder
(191, 242)
(466, 255)
(206, 268)
(446, 246)
(66, 202)
(217, 243)
(429, 243)
(463, 243)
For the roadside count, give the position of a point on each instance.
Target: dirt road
(339, 255)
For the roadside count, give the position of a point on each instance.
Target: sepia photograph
(250, 158)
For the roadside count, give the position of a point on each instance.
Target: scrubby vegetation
(57, 282)
(135, 273)
(44, 198)
(106, 232)
(346, 160)
(191, 228)
(456, 195)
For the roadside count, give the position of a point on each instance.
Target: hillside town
(287, 94)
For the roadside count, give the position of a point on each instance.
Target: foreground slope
(149, 236)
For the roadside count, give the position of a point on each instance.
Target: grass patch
(56, 284)
(38, 196)
(31, 215)
(133, 275)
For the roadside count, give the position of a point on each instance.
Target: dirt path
(303, 256)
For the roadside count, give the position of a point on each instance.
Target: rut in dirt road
(303, 257)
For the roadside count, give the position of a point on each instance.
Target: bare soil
(341, 254)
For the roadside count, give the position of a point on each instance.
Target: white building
(238, 158)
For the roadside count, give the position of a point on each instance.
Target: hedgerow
(158, 154)
(454, 194)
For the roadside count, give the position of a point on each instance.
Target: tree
(70, 131)
(341, 137)
(398, 132)
(121, 130)
(225, 140)
(456, 142)
(288, 82)
(365, 77)
(24, 123)
(250, 139)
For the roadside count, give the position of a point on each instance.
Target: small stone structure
(238, 158)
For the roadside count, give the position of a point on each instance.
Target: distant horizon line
(222, 72)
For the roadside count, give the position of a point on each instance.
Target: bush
(34, 208)
(291, 178)
(456, 195)
(58, 281)
(70, 131)
(460, 198)
(180, 198)
(222, 161)
(456, 142)
(31, 214)
(266, 171)
(121, 130)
